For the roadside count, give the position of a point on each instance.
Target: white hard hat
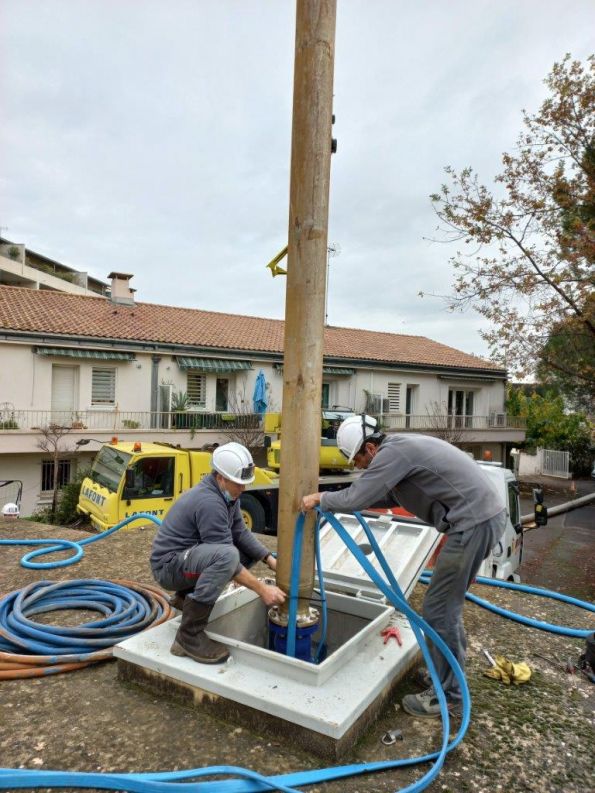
(353, 433)
(234, 461)
(10, 510)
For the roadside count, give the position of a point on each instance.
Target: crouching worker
(203, 544)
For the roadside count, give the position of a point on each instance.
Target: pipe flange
(303, 619)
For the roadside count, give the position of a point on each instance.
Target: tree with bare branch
(530, 269)
(445, 426)
(245, 426)
(51, 443)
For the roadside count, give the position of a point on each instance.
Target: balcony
(435, 423)
(118, 421)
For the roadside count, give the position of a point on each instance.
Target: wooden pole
(306, 281)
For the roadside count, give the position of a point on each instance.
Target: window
(153, 478)
(197, 389)
(103, 387)
(513, 506)
(47, 474)
(394, 397)
(460, 406)
(326, 395)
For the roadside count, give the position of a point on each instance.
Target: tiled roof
(61, 314)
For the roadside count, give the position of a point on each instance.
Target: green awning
(98, 355)
(216, 365)
(336, 370)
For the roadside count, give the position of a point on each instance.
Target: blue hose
(63, 545)
(530, 590)
(32, 649)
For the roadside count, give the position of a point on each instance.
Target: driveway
(561, 555)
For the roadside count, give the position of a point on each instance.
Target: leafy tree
(571, 346)
(549, 426)
(530, 271)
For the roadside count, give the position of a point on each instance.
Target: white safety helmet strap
(234, 462)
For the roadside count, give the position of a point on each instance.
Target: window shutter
(103, 387)
(394, 397)
(197, 389)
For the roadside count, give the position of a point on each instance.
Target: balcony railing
(118, 421)
(439, 423)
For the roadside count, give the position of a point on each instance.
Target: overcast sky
(153, 137)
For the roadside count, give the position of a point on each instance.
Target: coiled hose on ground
(29, 648)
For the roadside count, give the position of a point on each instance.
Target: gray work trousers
(456, 566)
(203, 571)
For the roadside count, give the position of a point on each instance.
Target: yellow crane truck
(132, 477)
(331, 458)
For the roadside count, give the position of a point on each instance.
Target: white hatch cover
(406, 544)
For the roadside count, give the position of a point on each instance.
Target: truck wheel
(253, 513)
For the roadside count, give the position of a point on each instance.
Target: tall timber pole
(306, 281)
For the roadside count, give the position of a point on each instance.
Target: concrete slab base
(325, 719)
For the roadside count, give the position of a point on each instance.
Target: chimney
(121, 293)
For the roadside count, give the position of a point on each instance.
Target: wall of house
(26, 381)
(27, 469)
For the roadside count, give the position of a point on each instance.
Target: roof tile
(60, 313)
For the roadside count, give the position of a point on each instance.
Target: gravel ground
(536, 737)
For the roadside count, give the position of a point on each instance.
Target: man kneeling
(203, 544)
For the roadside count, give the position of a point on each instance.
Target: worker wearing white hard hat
(203, 544)
(444, 487)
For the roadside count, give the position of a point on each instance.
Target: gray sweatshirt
(428, 477)
(202, 515)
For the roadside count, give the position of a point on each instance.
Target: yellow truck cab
(129, 478)
(331, 458)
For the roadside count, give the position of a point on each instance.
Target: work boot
(176, 601)
(426, 705)
(191, 639)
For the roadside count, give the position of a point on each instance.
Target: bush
(69, 496)
(67, 500)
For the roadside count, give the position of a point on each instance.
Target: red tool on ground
(392, 632)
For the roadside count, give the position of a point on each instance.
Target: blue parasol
(259, 398)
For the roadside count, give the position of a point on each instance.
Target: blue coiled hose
(63, 545)
(31, 649)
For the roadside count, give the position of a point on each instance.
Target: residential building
(93, 367)
(20, 266)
